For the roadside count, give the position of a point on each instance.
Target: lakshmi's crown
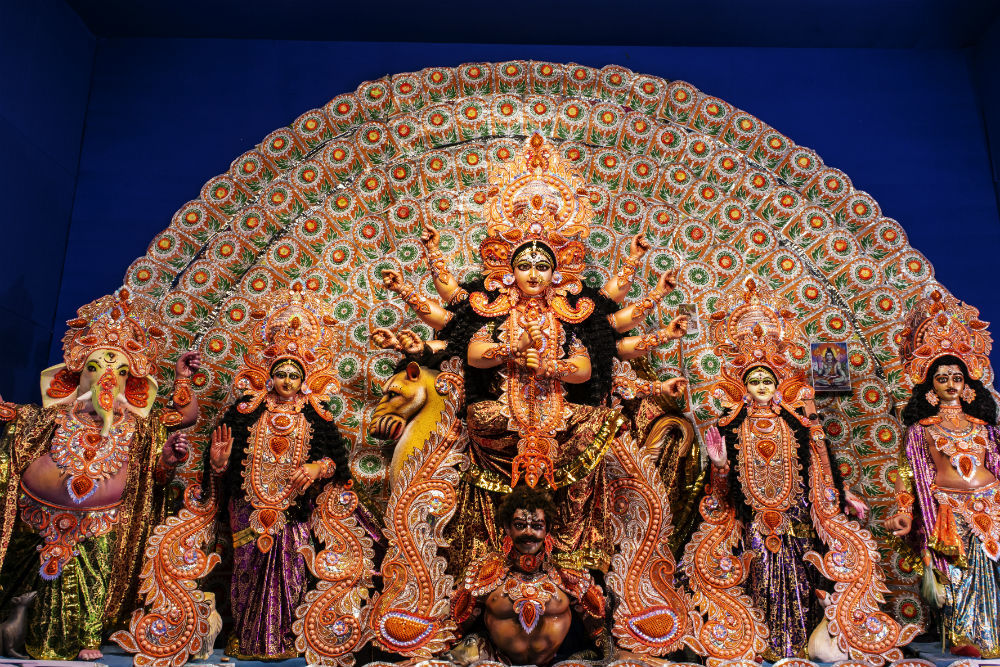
(940, 325)
(113, 323)
(536, 197)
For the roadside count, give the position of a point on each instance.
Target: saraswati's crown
(940, 325)
(113, 323)
(536, 197)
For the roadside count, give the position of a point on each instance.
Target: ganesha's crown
(293, 324)
(536, 197)
(940, 325)
(113, 323)
(755, 328)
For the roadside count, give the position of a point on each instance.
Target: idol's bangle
(643, 306)
(500, 351)
(626, 274)
(559, 369)
(326, 468)
(458, 295)
(904, 503)
(416, 300)
(182, 392)
(652, 340)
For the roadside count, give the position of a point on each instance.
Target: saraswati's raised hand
(220, 449)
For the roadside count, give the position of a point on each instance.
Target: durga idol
(538, 346)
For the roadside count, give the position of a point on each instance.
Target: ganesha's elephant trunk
(103, 397)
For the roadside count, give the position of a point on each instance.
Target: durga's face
(532, 272)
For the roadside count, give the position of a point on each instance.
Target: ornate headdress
(294, 326)
(940, 325)
(536, 198)
(109, 323)
(755, 328)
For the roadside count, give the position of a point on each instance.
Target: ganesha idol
(82, 477)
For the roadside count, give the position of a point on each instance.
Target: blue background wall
(161, 116)
(46, 57)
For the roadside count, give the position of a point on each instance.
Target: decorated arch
(342, 192)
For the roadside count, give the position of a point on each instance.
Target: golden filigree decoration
(332, 623)
(653, 617)
(174, 628)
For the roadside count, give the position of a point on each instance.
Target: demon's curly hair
(525, 498)
(982, 406)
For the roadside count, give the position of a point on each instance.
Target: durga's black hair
(326, 442)
(731, 433)
(982, 406)
(524, 497)
(595, 333)
(287, 360)
(540, 246)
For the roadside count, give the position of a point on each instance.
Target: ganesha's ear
(412, 370)
(59, 385)
(140, 394)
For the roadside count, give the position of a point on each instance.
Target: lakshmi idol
(285, 444)
(539, 348)
(83, 477)
(774, 498)
(949, 467)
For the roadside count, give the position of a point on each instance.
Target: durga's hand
(666, 284)
(532, 360)
(385, 339)
(220, 449)
(677, 327)
(430, 236)
(410, 342)
(639, 246)
(716, 447)
(392, 281)
(674, 387)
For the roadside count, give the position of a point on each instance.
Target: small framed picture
(691, 310)
(828, 362)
